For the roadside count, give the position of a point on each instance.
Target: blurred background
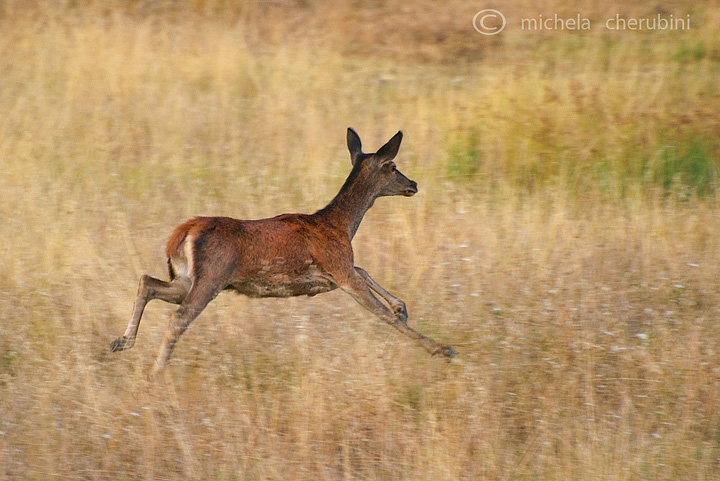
(564, 238)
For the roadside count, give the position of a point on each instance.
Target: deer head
(378, 171)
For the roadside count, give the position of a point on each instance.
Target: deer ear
(390, 150)
(354, 145)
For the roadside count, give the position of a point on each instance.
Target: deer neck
(349, 206)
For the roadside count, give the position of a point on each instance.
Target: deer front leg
(149, 288)
(398, 306)
(357, 287)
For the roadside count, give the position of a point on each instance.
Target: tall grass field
(564, 240)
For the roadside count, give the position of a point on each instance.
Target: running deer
(287, 255)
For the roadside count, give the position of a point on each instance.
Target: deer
(283, 256)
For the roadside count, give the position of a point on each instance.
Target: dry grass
(564, 241)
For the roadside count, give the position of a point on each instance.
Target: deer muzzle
(411, 189)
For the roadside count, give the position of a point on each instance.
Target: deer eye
(390, 166)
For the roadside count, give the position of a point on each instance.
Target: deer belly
(271, 283)
(282, 288)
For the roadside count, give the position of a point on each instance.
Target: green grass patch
(689, 165)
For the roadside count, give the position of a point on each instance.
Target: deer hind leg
(150, 288)
(196, 300)
(357, 286)
(397, 305)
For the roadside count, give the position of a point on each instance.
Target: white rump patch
(183, 263)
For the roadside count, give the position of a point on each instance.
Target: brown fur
(287, 255)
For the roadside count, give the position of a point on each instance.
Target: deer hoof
(121, 343)
(448, 352)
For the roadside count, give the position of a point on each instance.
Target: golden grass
(563, 241)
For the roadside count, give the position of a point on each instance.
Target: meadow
(564, 241)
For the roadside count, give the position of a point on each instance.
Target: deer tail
(171, 270)
(176, 244)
